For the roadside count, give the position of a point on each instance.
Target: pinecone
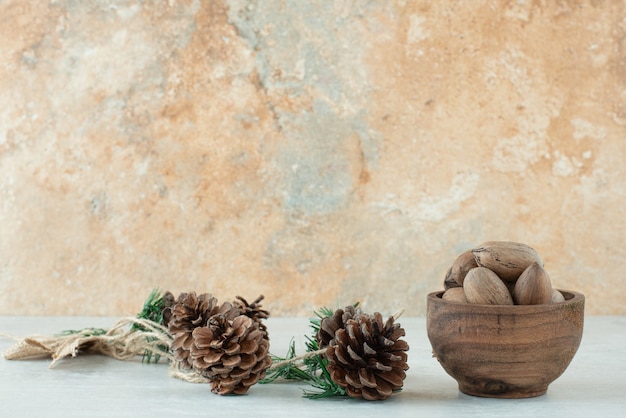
(232, 351)
(365, 355)
(188, 313)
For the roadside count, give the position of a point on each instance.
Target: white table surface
(594, 385)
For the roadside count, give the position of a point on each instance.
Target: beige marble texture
(317, 152)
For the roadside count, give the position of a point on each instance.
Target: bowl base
(500, 390)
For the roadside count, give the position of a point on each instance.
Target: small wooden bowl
(505, 351)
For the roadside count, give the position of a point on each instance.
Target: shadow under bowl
(505, 351)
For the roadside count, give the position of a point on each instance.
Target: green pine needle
(152, 311)
(85, 332)
(322, 380)
(153, 308)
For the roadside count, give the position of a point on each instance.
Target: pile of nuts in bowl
(500, 273)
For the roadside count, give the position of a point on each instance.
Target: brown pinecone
(232, 351)
(252, 310)
(366, 355)
(188, 313)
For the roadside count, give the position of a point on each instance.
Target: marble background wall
(317, 152)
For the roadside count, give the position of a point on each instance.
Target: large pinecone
(188, 313)
(232, 351)
(225, 343)
(365, 354)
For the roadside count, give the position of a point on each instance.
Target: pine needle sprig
(85, 332)
(152, 311)
(153, 307)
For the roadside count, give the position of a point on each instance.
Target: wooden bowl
(505, 351)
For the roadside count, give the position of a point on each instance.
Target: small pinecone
(252, 310)
(366, 355)
(232, 351)
(188, 313)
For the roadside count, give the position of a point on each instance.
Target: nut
(461, 265)
(507, 259)
(533, 286)
(557, 296)
(483, 286)
(449, 281)
(455, 294)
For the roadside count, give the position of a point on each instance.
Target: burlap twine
(121, 342)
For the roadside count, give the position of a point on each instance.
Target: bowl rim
(576, 297)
